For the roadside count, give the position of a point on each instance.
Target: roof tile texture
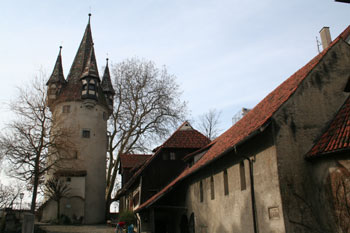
(186, 139)
(251, 122)
(190, 138)
(337, 136)
(133, 160)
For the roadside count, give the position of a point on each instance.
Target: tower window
(104, 116)
(242, 175)
(226, 192)
(66, 109)
(86, 133)
(212, 190)
(92, 87)
(52, 91)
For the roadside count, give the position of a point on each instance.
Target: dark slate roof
(84, 64)
(250, 123)
(106, 80)
(90, 68)
(133, 160)
(57, 73)
(82, 56)
(336, 138)
(184, 134)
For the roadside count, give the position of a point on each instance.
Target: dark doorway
(160, 227)
(184, 224)
(191, 224)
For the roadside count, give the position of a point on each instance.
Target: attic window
(347, 86)
(172, 156)
(165, 156)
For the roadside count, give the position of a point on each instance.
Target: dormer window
(89, 89)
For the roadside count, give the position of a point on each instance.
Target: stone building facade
(82, 104)
(284, 167)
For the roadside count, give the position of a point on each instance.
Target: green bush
(128, 217)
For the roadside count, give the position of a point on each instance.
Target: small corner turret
(56, 80)
(107, 87)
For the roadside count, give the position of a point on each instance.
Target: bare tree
(146, 106)
(209, 123)
(8, 195)
(25, 142)
(56, 189)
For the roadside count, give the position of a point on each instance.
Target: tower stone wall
(81, 104)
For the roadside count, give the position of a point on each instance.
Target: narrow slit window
(212, 190)
(242, 175)
(226, 192)
(347, 86)
(201, 191)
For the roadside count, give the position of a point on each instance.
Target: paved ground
(78, 229)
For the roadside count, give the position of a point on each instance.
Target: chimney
(325, 37)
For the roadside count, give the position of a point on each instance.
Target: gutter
(252, 192)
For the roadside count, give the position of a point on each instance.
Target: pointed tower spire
(57, 74)
(90, 68)
(107, 87)
(82, 56)
(106, 81)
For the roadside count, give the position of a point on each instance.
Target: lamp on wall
(21, 195)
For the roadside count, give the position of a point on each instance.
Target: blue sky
(226, 54)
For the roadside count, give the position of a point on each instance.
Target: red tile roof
(184, 137)
(252, 122)
(337, 136)
(133, 160)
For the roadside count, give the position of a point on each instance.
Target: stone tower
(82, 103)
